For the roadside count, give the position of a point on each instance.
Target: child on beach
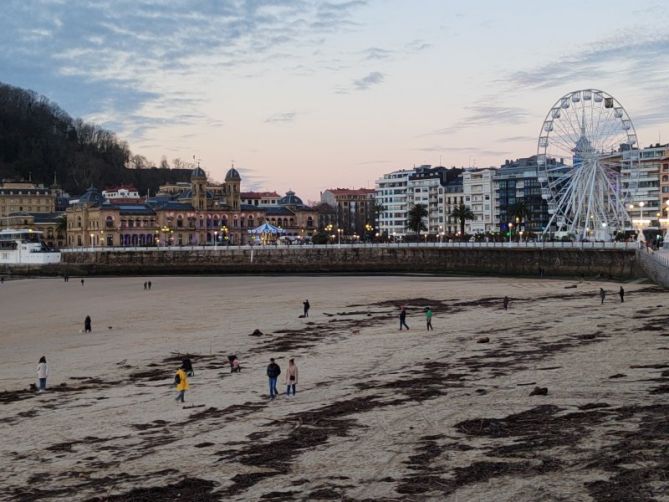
(187, 365)
(181, 382)
(291, 377)
(428, 318)
(87, 324)
(42, 374)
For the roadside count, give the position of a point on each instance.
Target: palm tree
(463, 213)
(415, 218)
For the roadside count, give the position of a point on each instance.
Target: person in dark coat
(87, 324)
(82, 282)
(602, 295)
(149, 284)
(622, 295)
(403, 318)
(505, 302)
(307, 306)
(273, 372)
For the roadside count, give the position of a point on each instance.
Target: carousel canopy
(266, 228)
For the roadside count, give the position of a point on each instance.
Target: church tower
(198, 180)
(233, 183)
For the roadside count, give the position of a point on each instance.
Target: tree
(462, 213)
(415, 218)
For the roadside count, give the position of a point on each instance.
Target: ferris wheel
(588, 165)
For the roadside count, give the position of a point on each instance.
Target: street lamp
(510, 230)
(339, 231)
(215, 238)
(92, 243)
(641, 204)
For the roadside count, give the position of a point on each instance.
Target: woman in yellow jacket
(181, 381)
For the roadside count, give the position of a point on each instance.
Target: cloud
(109, 58)
(417, 46)
(376, 53)
(484, 115)
(280, 118)
(462, 149)
(372, 79)
(629, 53)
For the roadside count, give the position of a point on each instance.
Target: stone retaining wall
(613, 263)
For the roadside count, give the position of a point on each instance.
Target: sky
(309, 95)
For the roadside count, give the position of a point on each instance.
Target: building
(426, 186)
(260, 199)
(180, 215)
(517, 186)
(355, 209)
(26, 197)
(391, 197)
(198, 213)
(479, 196)
(664, 192)
(121, 193)
(453, 196)
(294, 217)
(642, 177)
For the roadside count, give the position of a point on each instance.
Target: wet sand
(379, 415)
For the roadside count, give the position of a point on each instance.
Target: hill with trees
(39, 140)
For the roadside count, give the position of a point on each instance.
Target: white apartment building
(120, 193)
(479, 195)
(424, 187)
(391, 194)
(641, 181)
(453, 197)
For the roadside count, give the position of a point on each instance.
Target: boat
(25, 247)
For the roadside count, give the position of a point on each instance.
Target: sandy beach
(379, 414)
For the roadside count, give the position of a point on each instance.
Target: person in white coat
(291, 377)
(42, 374)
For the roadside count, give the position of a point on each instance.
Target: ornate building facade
(196, 213)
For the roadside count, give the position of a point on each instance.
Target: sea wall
(607, 263)
(655, 265)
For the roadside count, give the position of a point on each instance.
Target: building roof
(278, 211)
(92, 197)
(198, 172)
(233, 175)
(290, 199)
(138, 209)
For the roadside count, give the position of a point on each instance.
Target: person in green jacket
(428, 318)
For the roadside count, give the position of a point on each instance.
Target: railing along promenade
(395, 245)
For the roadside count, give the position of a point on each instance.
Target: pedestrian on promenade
(87, 324)
(307, 306)
(2, 280)
(181, 382)
(602, 295)
(145, 284)
(187, 365)
(403, 318)
(428, 318)
(622, 295)
(505, 302)
(273, 372)
(42, 374)
(149, 284)
(291, 377)
(82, 282)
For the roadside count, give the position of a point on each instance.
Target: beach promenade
(379, 414)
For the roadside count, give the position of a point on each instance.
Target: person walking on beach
(403, 318)
(428, 318)
(82, 282)
(307, 306)
(602, 295)
(505, 302)
(2, 280)
(87, 324)
(181, 382)
(187, 365)
(622, 295)
(291, 377)
(42, 374)
(145, 285)
(149, 284)
(273, 372)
